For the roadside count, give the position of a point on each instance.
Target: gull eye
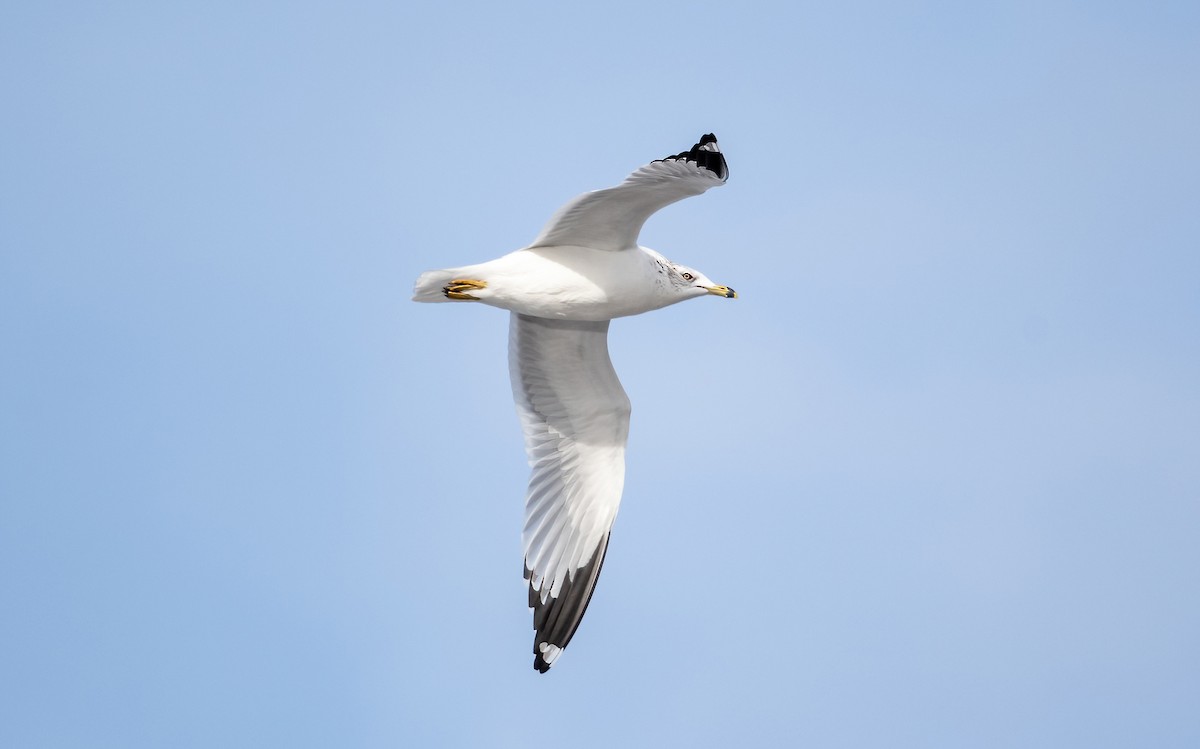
(688, 277)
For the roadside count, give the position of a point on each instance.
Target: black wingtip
(706, 154)
(556, 619)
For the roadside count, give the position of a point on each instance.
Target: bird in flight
(583, 270)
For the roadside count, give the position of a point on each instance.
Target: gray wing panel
(575, 416)
(612, 219)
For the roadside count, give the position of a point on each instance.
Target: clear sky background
(932, 481)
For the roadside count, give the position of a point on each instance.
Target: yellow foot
(458, 288)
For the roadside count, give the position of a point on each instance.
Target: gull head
(689, 282)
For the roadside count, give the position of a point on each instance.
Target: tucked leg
(458, 288)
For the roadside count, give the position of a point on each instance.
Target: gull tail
(430, 287)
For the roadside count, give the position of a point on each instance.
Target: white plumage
(584, 269)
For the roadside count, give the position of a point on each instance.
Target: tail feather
(429, 287)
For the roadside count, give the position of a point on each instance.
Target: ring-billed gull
(583, 270)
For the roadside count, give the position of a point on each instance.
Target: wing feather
(611, 219)
(575, 416)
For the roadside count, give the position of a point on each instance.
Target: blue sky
(932, 481)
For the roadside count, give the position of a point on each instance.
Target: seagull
(584, 269)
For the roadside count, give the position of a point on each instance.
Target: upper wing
(576, 420)
(611, 219)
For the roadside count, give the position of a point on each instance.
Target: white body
(567, 283)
